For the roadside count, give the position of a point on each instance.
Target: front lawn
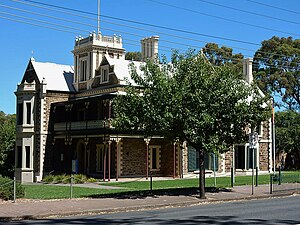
(45, 191)
(42, 191)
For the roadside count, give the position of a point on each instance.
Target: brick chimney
(149, 47)
(247, 70)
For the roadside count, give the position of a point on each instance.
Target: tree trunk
(201, 174)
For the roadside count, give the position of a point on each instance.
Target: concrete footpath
(38, 209)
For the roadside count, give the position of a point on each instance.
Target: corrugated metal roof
(122, 69)
(58, 77)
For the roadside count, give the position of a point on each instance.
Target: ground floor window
(100, 155)
(244, 157)
(27, 156)
(211, 161)
(154, 151)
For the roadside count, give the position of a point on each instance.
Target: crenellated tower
(88, 53)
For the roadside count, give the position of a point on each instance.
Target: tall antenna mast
(98, 17)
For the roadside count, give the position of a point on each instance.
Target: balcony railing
(82, 125)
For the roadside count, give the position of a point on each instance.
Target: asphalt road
(268, 211)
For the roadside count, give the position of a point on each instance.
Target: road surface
(284, 210)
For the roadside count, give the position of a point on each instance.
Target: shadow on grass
(158, 192)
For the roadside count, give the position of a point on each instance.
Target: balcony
(81, 125)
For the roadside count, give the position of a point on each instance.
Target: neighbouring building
(64, 114)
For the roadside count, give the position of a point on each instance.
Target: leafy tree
(206, 106)
(136, 56)
(223, 56)
(287, 136)
(7, 141)
(278, 70)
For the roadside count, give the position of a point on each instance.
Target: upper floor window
(20, 114)
(104, 75)
(83, 70)
(28, 113)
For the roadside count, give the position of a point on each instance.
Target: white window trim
(261, 128)
(246, 157)
(104, 68)
(99, 156)
(158, 155)
(80, 69)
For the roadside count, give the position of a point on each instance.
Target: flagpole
(98, 18)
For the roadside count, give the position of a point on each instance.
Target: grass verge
(59, 192)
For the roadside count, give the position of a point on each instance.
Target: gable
(57, 77)
(29, 75)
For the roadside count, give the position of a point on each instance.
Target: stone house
(64, 114)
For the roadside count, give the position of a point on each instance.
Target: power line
(130, 27)
(274, 7)
(42, 21)
(123, 25)
(72, 21)
(145, 24)
(222, 18)
(45, 15)
(66, 31)
(249, 12)
(37, 25)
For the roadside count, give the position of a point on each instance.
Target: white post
(214, 158)
(98, 18)
(15, 190)
(273, 138)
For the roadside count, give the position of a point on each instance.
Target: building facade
(64, 118)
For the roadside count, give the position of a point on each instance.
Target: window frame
(83, 69)
(28, 113)
(158, 156)
(27, 157)
(105, 74)
(20, 113)
(246, 155)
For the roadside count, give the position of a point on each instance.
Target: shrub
(48, 179)
(7, 189)
(65, 179)
(79, 178)
(91, 180)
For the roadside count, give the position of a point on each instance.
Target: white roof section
(57, 77)
(122, 69)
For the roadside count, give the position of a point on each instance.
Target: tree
(206, 106)
(287, 136)
(136, 56)
(277, 70)
(7, 142)
(223, 56)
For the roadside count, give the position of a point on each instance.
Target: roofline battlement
(99, 40)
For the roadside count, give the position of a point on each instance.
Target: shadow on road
(152, 220)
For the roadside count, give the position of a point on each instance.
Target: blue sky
(19, 39)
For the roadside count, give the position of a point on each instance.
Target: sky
(33, 28)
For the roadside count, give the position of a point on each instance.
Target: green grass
(56, 192)
(187, 183)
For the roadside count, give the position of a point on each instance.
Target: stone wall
(134, 153)
(228, 161)
(133, 157)
(47, 123)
